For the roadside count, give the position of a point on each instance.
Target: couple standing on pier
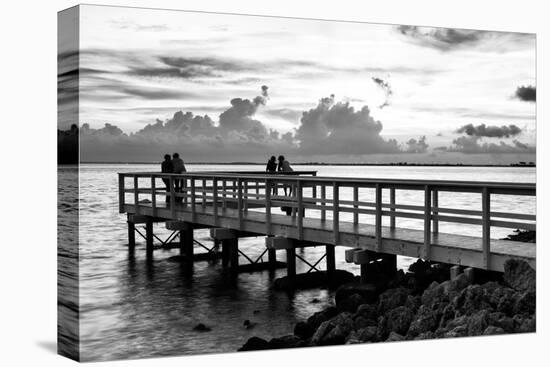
(173, 164)
(283, 167)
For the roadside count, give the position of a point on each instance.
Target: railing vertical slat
(300, 204)
(267, 208)
(392, 202)
(172, 198)
(355, 205)
(224, 194)
(204, 192)
(121, 194)
(185, 191)
(136, 194)
(314, 188)
(486, 230)
(154, 195)
(193, 199)
(215, 199)
(245, 202)
(378, 218)
(335, 212)
(323, 204)
(427, 222)
(435, 204)
(240, 202)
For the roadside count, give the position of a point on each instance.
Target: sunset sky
(456, 88)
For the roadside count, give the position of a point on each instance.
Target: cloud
(526, 93)
(473, 145)
(336, 128)
(489, 131)
(417, 146)
(449, 39)
(386, 87)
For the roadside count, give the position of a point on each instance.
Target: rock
(367, 311)
(493, 330)
(395, 337)
(367, 291)
(303, 330)
(448, 314)
(399, 320)
(419, 267)
(392, 298)
(460, 282)
(477, 323)
(350, 304)
(254, 343)
(471, 299)
(317, 318)
(287, 341)
(503, 300)
(500, 320)
(201, 327)
(359, 322)
(424, 336)
(413, 302)
(334, 331)
(353, 338)
(434, 295)
(456, 332)
(367, 334)
(525, 303)
(524, 324)
(519, 275)
(425, 320)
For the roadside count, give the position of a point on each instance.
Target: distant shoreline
(403, 164)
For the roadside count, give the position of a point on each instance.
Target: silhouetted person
(179, 167)
(167, 167)
(271, 165)
(284, 167)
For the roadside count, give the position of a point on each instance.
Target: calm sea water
(130, 308)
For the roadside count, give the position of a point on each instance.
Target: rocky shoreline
(423, 303)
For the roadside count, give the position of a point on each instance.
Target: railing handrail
(525, 187)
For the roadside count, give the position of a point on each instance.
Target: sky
(219, 87)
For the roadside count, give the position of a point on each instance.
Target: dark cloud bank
(331, 128)
(526, 93)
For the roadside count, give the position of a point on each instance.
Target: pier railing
(320, 197)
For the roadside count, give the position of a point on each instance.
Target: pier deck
(240, 202)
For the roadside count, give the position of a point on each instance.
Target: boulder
(367, 334)
(478, 322)
(456, 332)
(525, 303)
(500, 320)
(435, 294)
(392, 298)
(359, 322)
(424, 336)
(425, 320)
(317, 318)
(395, 337)
(350, 304)
(519, 275)
(254, 343)
(367, 291)
(471, 299)
(367, 311)
(334, 331)
(303, 330)
(399, 320)
(493, 330)
(287, 341)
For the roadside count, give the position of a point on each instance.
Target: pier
(303, 209)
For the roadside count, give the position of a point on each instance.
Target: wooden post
(204, 192)
(234, 253)
(149, 237)
(364, 268)
(136, 194)
(355, 205)
(186, 244)
(291, 262)
(193, 209)
(131, 234)
(300, 204)
(486, 225)
(435, 204)
(267, 207)
(335, 213)
(240, 202)
(153, 196)
(225, 253)
(121, 193)
(331, 260)
(323, 204)
(172, 198)
(272, 258)
(215, 199)
(427, 222)
(392, 202)
(378, 218)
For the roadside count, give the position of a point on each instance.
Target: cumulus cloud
(417, 146)
(474, 145)
(386, 87)
(489, 131)
(448, 39)
(526, 93)
(337, 128)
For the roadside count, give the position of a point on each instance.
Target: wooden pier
(242, 204)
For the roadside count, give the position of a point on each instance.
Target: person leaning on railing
(179, 167)
(167, 167)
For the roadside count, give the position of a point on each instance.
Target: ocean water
(133, 308)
